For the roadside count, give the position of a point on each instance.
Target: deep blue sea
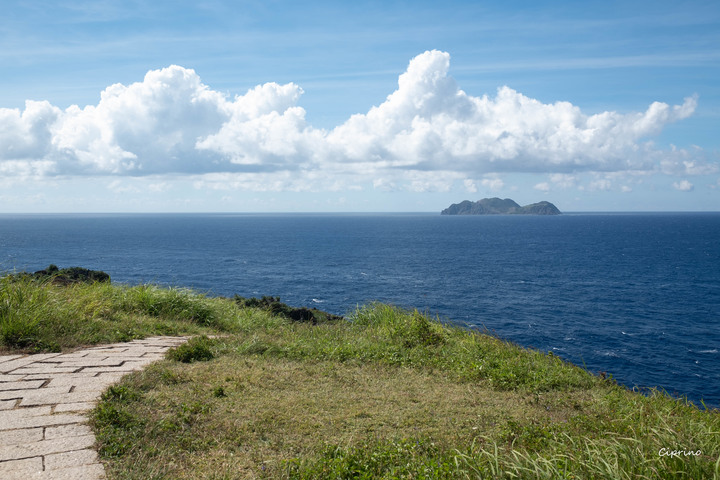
(633, 295)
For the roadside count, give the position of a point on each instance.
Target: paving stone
(7, 358)
(75, 458)
(76, 354)
(23, 413)
(82, 383)
(7, 404)
(23, 435)
(6, 367)
(40, 421)
(112, 377)
(130, 353)
(45, 369)
(127, 367)
(39, 397)
(30, 393)
(74, 407)
(83, 472)
(18, 469)
(95, 386)
(39, 438)
(20, 385)
(107, 350)
(63, 431)
(45, 447)
(92, 362)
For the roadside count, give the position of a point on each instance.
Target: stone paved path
(44, 401)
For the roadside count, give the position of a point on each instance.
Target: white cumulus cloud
(543, 187)
(683, 186)
(427, 134)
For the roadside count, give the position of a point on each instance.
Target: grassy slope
(390, 394)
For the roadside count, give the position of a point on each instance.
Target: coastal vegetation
(383, 392)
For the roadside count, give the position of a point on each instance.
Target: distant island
(497, 206)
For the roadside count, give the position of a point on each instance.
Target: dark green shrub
(19, 332)
(170, 303)
(195, 350)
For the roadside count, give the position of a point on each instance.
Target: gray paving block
(64, 431)
(91, 362)
(45, 447)
(20, 385)
(6, 367)
(75, 458)
(39, 397)
(7, 358)
(18, 469)
(31, 393)
(45, 369)
(23, 435)
(14, 423)
(23, 413)
(39, 439)
(74, 407)
(84, 472)
(7, 404)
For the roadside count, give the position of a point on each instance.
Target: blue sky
(109, 106)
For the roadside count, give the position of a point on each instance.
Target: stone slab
(7, 358)
(40, 437)
(75, 458)
(18, 469)
(64, 431)
(83, 472)
(39, 397)
(8, 404)
(33, 392)
(45, 447)
(6, 367)
(39, 421)
(45, 369)
(20, 385)
(24, 435)
(74, 407)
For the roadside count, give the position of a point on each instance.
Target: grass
(37, 316)
(387, 393)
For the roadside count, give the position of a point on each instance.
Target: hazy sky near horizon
(279, 106)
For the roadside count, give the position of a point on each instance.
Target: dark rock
(67, 276)
(277, 308)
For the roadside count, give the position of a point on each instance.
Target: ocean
(634, 295)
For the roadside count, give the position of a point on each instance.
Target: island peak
(497, 206)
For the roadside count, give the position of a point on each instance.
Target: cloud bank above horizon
(427, 134)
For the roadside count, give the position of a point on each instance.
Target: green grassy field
(384, 393)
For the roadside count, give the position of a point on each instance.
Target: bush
(171, 303)
(22, 306)
(195, 350)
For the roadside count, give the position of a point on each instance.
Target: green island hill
(497, 206)
(264, 390)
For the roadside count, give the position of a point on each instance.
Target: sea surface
(634, 295)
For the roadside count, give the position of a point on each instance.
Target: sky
(327, 106)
